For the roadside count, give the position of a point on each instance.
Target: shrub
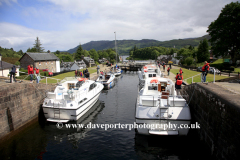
(189, 61)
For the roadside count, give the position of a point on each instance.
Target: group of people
(84, 74)
(31, 73)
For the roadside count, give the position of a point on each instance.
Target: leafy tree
(94, 54)
(105, 54)
(189, 61)
(31, 50)
(203, 51)
(57, 52)
(66, 58)
(224, 32)
(37, 45)
(79, 53)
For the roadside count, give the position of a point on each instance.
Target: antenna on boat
(115, 46)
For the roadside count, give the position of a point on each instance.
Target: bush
(189, 61)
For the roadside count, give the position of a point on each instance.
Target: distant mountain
(124, 46)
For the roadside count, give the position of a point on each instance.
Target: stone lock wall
(19, 104)
(217, 110)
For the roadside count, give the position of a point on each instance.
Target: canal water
(117, 105)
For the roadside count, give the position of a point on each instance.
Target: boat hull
(70, 114)
(162, 127)
(109, 85)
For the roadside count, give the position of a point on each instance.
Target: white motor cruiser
(71, 99)
(107, 80)
(158, 106)
(117, 71)
(149, 71)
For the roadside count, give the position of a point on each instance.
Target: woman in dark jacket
(12, 73)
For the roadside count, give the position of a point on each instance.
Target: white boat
(149, 71)
(158, 105)
(117, 71)
(107, 80)
(71, 99)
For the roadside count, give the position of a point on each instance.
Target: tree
(189, 61)
(79, 52)
(37, 45)
(66, 58)
(224, 32)
(31, 50)
(94, 54)
(203, 51)
(57, 52)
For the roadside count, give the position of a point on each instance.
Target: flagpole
(115, 47)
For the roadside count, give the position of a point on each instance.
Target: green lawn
(68, 74)
(188, 73)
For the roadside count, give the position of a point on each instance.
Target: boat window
(154, 75)
(70, 85)
(92, 86)
(107, 77)
(152, 87)
(149, 75)
(79, 83)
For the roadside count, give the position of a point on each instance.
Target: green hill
(123, 46)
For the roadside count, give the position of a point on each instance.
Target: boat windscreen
(79, 83)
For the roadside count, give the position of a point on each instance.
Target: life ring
(145, 70)
(154, 81)
(82, 79)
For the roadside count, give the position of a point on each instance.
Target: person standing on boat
(168, 70)
(12, 74)
(178, 85)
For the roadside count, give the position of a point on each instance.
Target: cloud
(8, 2)
(61, 24)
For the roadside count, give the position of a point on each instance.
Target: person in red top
(164, 67)
(178, 85)
(76, 73)
(28, 68)
(181, 76)
(180, 71)
(177, 76)
(168, 70)
(30, 72)
(37, 74)
(205, 70)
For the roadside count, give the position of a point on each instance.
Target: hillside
(123, 46)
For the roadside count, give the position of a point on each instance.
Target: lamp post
(1, 63)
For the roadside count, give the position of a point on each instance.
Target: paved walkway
(104, 68)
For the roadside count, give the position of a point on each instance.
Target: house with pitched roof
(72, 66)
(5, 68)
(89, 61)
(41, 61)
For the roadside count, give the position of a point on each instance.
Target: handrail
(44, 77)
(191, 77)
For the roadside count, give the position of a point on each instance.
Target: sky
(64, 24)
